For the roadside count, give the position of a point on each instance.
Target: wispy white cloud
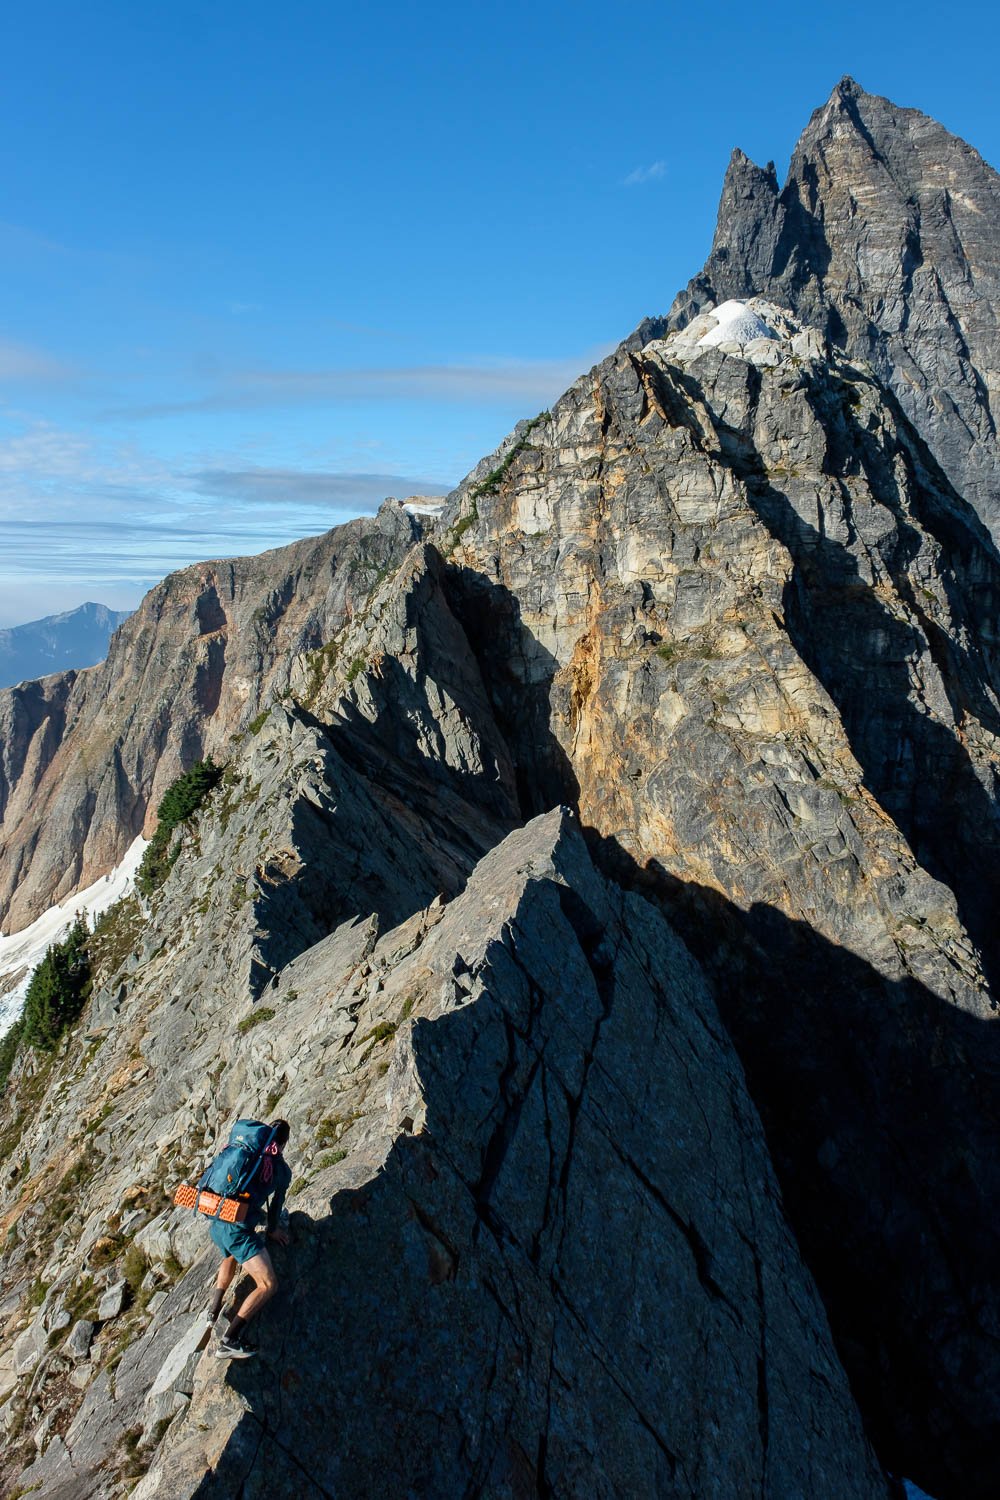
(19, 362)
(47, 470)
(651, 173)
(533, 382)
(80, 519)
(86, 515)
(269, 486)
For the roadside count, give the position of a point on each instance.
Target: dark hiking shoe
(227, 1348)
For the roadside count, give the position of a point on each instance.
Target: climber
(242, 1246)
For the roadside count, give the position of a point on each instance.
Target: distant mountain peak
(75, 639)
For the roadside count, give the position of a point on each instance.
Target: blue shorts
(237, 1240)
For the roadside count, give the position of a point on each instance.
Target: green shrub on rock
(182, 798)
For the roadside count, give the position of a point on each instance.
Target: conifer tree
(58, 990)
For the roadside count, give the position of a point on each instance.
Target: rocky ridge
(85, 756)
(756, 624)
(480, 1068)
(593, 1106)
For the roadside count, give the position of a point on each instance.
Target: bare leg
(227, 1271)
(258, 1267)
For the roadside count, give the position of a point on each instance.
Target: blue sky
(262, 265)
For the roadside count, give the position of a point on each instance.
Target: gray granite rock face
(733, 608)
(546, 1254)
(885, 236)
(113, 1301)
(78, 1344)
(745, 624)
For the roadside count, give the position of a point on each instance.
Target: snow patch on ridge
(736, 323)
(423, 505)
(755, 331)
(22, 951)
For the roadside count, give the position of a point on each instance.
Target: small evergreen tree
(8, 1050)
(182, 798)
(186, 794)
(58, 990)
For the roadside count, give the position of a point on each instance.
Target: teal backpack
(238, 1166)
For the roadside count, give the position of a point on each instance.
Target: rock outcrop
(85, 756)
(747, 627)
(536, 1224)
(886, 237)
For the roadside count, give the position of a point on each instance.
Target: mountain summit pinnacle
(886, 237)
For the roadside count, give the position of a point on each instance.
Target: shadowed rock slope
(886, 237)
(526, 1333)
(536, 1228)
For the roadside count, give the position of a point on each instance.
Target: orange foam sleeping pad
(234, 1210)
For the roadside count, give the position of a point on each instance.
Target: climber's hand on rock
(279, 1236)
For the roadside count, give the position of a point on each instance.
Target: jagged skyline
(350, 261)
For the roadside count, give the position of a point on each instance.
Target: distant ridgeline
(78, 639)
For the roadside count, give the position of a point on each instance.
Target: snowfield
(22, 951)
(424, 507)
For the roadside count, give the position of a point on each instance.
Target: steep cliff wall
(746, 625)
(86, 756)
(609, 905)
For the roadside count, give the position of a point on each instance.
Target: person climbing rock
(244, 1247)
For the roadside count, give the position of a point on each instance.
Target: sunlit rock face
(886, 238)
(86, 756)
(747, 625)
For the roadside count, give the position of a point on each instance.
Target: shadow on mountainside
(917, 768)
(518, 672)
(880, 1106)
(417, 789)
(880, 1103)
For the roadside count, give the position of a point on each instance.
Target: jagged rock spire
(886, 236)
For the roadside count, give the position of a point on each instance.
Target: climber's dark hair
(282, 1130)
